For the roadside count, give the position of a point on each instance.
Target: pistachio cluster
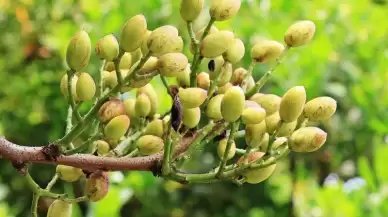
(216, 105)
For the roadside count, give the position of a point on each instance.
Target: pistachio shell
(191, 117)
(111, 109)
(253, 115)
(117, 127)
(102, 147)
(142, 105)
(63, 86)
(221, 148)
(238, 76)
(192, 97)
(254, 134)
(287, 128)
(149, 144)
(69, 173)
(226, 74)
(251, 104)
(172, 64)
(235, 51)
(292, 104)
(149, 90)
(307, 139)
(164, 40)
(254, 176)
(223, 89)
(299, 33)
(232, 104)
(155, 128)
(213, 109)
(129, 106)
(183, 78)
(270, 102)
(126, 61)
(216, 44)
(272, 122)
(60, 208)
(107, 48)
(133, 33)
(266, 50)
(190, 9)
(203, 80)
(97, 186)
(86, 88)
(320, 108)
(78, 51)
(224, 9)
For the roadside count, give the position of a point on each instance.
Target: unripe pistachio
(154, 128)
(86, 88)
(251, 104)
(107, 79)
(235, 51)
(272, 122)
(78, 51)
(203, 80)
(192, 97)
(126, 61)
(136, 55)
(110, 66)
(307, 139)
(144, 46)
(63, 86)
(117, 127)
(97, 186)
(238, 76)
(250, 83)
(190, 9)
(213, 109)
(172, 64)
(149, 144)
(102, 147)
(253, 115)
(287, 128)
(199, 34)
(299, 33)
(107, 48)
(216, 44)
(164, 40)
(149, 66)
(320, 108)
(111, 109)
(142, 106)
(149, 90)
(264, 143)
(270, 102)
(226, 74)
(266, 50)
(191, 117)
(218, 63)
(69, 173)
(226, 87)
(232, 104)
(114, 142)
(279, 141)
(183, 78)
(133, 33)
(129, 106)
(224, 9)
(254, 176)
(254, 134)
(292, 104)
(221, 148)
(60, 208)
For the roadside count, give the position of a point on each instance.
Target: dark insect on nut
(176, 113)
(211, 65)
(221, 136)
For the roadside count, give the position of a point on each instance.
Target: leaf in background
(110, 205)
(380, 163)
(366, 172)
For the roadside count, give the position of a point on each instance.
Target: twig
(233, 130)
(52, 182)
(71, 101)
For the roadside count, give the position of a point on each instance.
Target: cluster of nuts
(221, 94)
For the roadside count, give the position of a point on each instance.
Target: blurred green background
(347, 60)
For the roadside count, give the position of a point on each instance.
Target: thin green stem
(85, 145)
(259, 84)
(34, 205)
(76, 200)
(146, 76)
(196, 144)
(101, 80)
(194, 41)
(239, 134)
(165, 83)
(244, 83)
(133, 153)
(123, 147)
(166, 169)
(272, 138)
(212, 89)
(301, 123)
(52, 182)
(71, 100)
(233, 130)
(248, 150)
(117, 67)
(69, 122)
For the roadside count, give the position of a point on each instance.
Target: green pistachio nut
(155, 128)
(102, 147)
(85, 88)
(111, 109)
(253, 115)
(213, 109)
(191, 117)
(149, 144)
(223, 89)
(251, 104)
(129, 106)
(117, 127)
(126, 61)
(266, 50)
(203, 80)
(216, 44)
(192, 97)
(226, 74)
(149, 66)
(254, 134)
(183, 78)
(299, 33)
(221, 10)
(250, 83)
(63, 86)
(60, 208)
(133, 33)
(287, 128)
(232, 104)
(263, 146)
(254, 176)
(292, 104)
(149, 90)
(307, 139)
(69, 173)
(172, 64)
(221, 148)
(235, 51)
(107, 48)
(272, 122)
(164, 39)
(97, 186)
(270, 102)
(190, 9)
(78, 51)
(320, 108)
(238, 76)
(142, 106)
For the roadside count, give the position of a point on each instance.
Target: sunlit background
(347, 60)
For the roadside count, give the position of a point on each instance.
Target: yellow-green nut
(287, 128)
(63, 86)
(299, 33)
(102, 147)
(107, 48)
(78, 51)
(164, 40)
(108, 79)
(86, 88)
(192, 97)
(213, 109)
(144, 46)
(235, 51)
(172, 64)
(307, 139)
(133, 33)
(254, 134)
(155, 128)
(266, 50)
(254, 176)
(238, 76)
(270, 102)
(111, 109)
(226, 74)
(110, 66)
(60, 208)
(224, 9)
(223, 89)
(199, 34)
(190, 9)
(253, 115)
(69, 173)
(251, 104)
(203, 80)
(129, 106)
(149, 66)
(117, 127)
(250, 83)
(279, 141)
(216, 44)
(292, 104)
(272, 122)
(149, 90)
(142, 106)
(183, 78)
(264, 143)
(97, 186)
(191, 117)
(218, 63)
(232, 104)
(320, 108)
(221, 148)
(126, 61)
(136, 55)
(149, 144)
